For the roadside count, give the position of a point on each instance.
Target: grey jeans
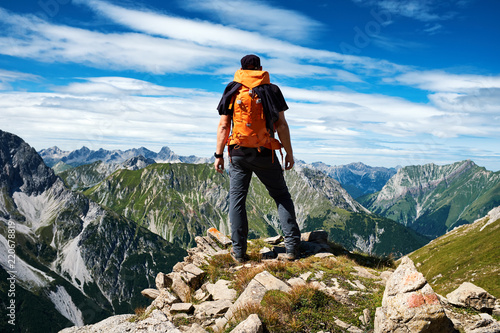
(270, 174)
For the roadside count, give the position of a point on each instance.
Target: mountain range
(75, 262)
(356, 178)
(90, 238)
(84, 155)
(433, 199)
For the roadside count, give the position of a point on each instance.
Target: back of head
(250, 62)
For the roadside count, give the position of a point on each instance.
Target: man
(250, 89)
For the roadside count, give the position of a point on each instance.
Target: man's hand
(219, 164)
(289, 162)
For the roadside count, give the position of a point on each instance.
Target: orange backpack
(249, 122)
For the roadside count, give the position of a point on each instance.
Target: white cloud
(439, 81)
(6, 77)
(421, 10)
(258, 16)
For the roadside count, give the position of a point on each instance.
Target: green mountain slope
(180, 201)
(433, 199)
(468, 253)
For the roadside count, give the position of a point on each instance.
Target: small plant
(218, 268)
(243, 277)
(141, 313)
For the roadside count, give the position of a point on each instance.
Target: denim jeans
(269, 171)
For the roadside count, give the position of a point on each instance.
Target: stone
(165, 298)
(195, 328)
(470, 295)
(180, 288)
(156, 322)
(181, 308)
(221, 239)
(267, 253)
(270, 282)
(221, 291)
(313, 247)
(410, 305)
(296, 282)
(179, 266)
(163, 281)
(253, 294)
(204, 245)
(323, 255)
(364, 273)
(274, 240)
(317, 236)
(250, 325)
(150, 293)
(192, 275)
(212, 308)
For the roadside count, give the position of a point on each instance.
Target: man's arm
(284, 136)
(222, 134)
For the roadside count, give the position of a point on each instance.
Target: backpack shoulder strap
(224, 106)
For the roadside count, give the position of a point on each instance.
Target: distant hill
(468, 253)
(434, 199)
(357, 178)
(84, 155)
(85, 176)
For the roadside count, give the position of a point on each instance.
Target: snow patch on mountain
(71, 262)
(65, 305)
(26, 275)
(38, 209)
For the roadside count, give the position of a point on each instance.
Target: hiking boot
(292, 256)
(239, 259)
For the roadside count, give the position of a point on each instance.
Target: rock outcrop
(184, 296)
(410, 304)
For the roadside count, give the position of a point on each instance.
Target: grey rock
(212, 308)
(151, 293)
(250, 325)
(410, 305)
(221, 291)
(181, 308)
(318, 236)
(470, 295)
(157, 322)
(179, 287)
(274, 240)
(217, 236)
(270, 282)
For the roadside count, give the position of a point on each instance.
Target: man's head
(250, 62)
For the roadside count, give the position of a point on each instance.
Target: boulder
(163, 281)
(179, 287)
(274, 240)
(410, 304)
(217, 236)
(317, 236)
(150, 293)
(164, 298)
(250, 325)
(471, 296)
(181, 308)
(220, 290)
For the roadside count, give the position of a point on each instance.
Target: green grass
(465, 255)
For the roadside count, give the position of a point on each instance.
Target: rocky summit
(327, 289)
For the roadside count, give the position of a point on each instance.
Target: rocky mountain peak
(22, 168)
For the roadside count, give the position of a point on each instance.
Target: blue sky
(382, 82)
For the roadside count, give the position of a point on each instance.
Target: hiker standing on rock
(255, 108)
